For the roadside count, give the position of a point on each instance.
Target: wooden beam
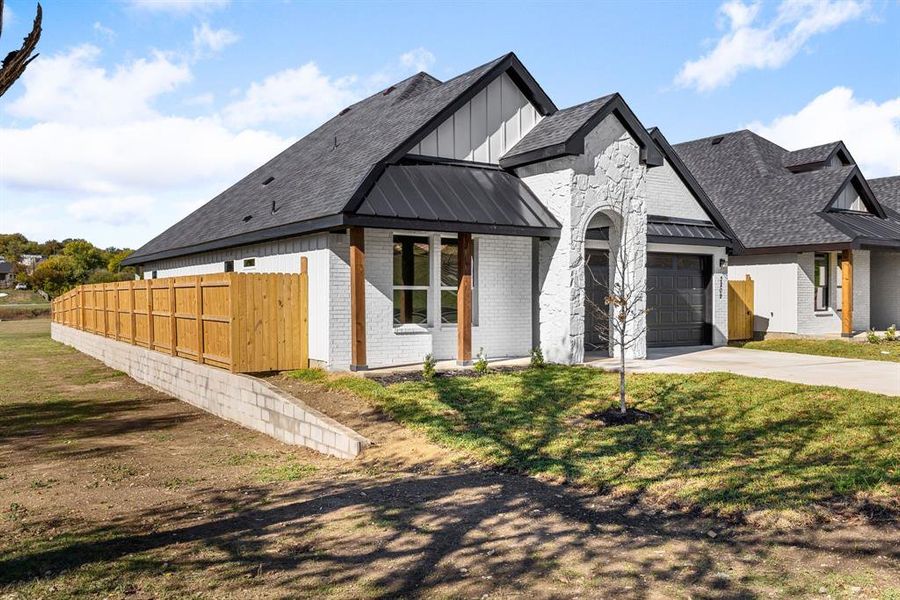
(464, 301)
(357, 299)
(847, 293)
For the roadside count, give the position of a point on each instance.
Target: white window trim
(244, 266)
(434, 289)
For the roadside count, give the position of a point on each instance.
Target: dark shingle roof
(558, 127)
(808, 156)
(450, 194)
(767, 205)
(319, 175)
(887, 190)
(5, 267)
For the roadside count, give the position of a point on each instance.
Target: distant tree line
(66, 264)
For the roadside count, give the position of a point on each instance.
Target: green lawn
(20, 297)
(889, 351)
(722, 443)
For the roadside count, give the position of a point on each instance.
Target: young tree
(621, 318)
(56, 275)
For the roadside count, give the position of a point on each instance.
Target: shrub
(537, 358)
(481, 363)
(428, 367)
(872, 337)
(891, 334)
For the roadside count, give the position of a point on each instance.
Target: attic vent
(717, 141)
(344, 112)
(247, 218)
(268, 180)
(389, 90)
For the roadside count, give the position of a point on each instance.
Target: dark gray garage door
(677, 298)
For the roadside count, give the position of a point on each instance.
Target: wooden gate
(740, 309)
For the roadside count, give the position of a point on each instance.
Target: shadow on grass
(418, 533)
(721, 443)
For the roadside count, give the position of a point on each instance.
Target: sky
(139, 111)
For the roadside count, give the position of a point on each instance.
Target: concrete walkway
(866, 375)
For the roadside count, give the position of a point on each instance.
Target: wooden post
(131, 306)
(149, 286)
(115, 288)
(198, 291)
(173, 334)
(847, 293)
(105, 319)
(357, 299)
(464, 300)
(304, 313)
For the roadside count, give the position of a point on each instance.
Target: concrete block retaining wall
(241, 399)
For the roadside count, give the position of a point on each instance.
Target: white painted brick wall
(667, 196)
(812, 322)
(503, 288)
(242, 399)
(885, 289)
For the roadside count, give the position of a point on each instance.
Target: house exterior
(442, 217)
(821, 244)
(6, 274)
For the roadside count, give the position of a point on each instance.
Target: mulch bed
(612, 416)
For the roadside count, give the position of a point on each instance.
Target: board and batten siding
(485, 128)
(278, 256)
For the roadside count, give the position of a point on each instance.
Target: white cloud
(418, 59)
(91, 153)
(209, 41)
(104, 31)
(71, 87)
(870, 129)
(112, 210)
(297, 97)
(747, 44)
(179, 6)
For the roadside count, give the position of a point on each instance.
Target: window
(152, 274)
(412, 277)
(820, 281)
(450, 281)
(249, 263)
(229, 266)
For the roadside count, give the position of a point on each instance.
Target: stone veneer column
(575, 189)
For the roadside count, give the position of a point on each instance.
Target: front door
(596, 288)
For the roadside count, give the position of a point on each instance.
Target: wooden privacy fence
(740, 309)
(243, 322)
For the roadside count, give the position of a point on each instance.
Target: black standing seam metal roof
(457, 194)
(673, 231)
(325, 175)
(768, 206)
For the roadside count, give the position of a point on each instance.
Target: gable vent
(716, 141)
(268, 180)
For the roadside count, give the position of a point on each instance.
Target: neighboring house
(886, 265)
(6, 274)
(30, 261)
(811, 233)
(401, 199)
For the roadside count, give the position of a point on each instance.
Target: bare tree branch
(16, 61)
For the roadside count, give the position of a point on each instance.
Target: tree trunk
(622, 372)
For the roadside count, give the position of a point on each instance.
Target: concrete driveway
(866, 375)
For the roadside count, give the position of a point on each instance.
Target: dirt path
(109, 489)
